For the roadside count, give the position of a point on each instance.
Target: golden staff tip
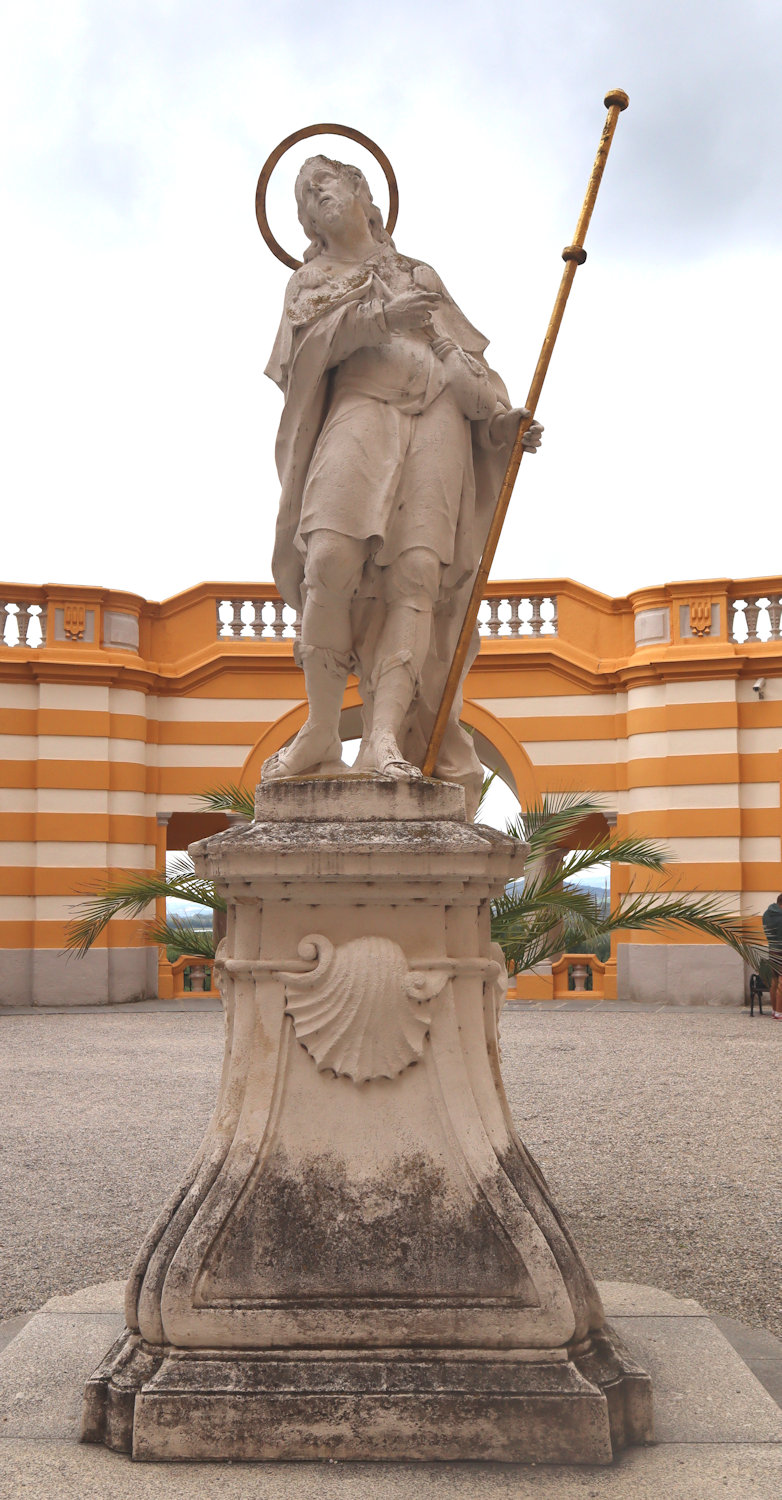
(618, 97)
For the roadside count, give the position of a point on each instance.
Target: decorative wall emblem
(700, 616)
(75, 619)
(361, 1011)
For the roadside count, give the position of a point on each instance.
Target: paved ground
(717, 1433)
(658, 1130)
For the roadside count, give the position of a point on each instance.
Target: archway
(494, 743)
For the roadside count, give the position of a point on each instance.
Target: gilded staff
(574, 256)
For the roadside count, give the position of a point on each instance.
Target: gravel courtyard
(659, 1133)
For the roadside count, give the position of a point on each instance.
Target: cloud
(145, 303)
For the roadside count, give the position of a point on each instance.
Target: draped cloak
(321, 309)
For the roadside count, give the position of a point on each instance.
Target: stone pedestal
(363, 1261)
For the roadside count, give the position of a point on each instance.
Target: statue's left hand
(505, 424)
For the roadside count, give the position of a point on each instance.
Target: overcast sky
(141, 303)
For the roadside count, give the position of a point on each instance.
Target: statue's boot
(317, 748)
(395, 685)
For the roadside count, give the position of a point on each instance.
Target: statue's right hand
(410, 309)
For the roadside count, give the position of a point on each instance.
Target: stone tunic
(393, 462)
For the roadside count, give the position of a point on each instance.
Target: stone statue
(392, 446)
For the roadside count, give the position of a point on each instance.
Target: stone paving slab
(718, 1431)
(706, 1471)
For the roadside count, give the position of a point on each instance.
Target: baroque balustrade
(756, 617)
(22, 623)
(32, 618)
(265, 617)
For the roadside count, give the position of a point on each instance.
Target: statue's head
(317, 176)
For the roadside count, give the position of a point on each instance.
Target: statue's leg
(412, 583)
(332, 576)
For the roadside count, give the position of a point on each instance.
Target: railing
(574, 976)
(22, 624)
(756, 619)
(193, 975)
(267, 618)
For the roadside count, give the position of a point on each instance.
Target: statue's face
(330, 197)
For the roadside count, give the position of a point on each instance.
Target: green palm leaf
(131, 895)
(182, 938)
(230, 798)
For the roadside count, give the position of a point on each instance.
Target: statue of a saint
(392, 446)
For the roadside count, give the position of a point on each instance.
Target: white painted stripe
(760, 741)
(66, 854)
(135, 856)
(74, 695)
(772, 691)
(576, 753)
(79, 800)
(703, 850)
(660, 798)
(681, 742)
(256, 711)
(21, 909)
(766, 849)
(219, 756)
(660, 695)
(72, 747)
(62, 908)
(18, 695)
(754, 903)
(760, 794)
(17, 854)
(133, 751)
(171, 802)
(18, 746)
(132, 804)
(127, 701)
(730, 897)
(62, 854)
(574, 705)
(17, 799)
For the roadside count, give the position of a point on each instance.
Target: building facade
(116, 713)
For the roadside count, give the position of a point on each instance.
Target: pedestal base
(363, 1261)
(401, 1406)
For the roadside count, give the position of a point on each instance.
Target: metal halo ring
(302, 135)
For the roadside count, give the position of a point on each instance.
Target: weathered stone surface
(42, 1370)
(53, 1468)
(363, 1261)
(707, 1394)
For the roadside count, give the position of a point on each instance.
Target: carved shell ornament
(362, 1010)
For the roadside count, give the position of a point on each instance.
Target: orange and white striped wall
(116, 713)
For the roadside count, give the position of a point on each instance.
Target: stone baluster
(225, 616)
(278, 627)
(11, 625)
(774, 616)
(35, 634)
(514, 622)
(554, 621)
(751, 615)
(494, 617)
(23, 621)
(247, 617)
(535, 618)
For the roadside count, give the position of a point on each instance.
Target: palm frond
(487, 781)
(131, 895)
(654, 911)
(545, 823)
(182, 938)
(645, 854)
(230, 798)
